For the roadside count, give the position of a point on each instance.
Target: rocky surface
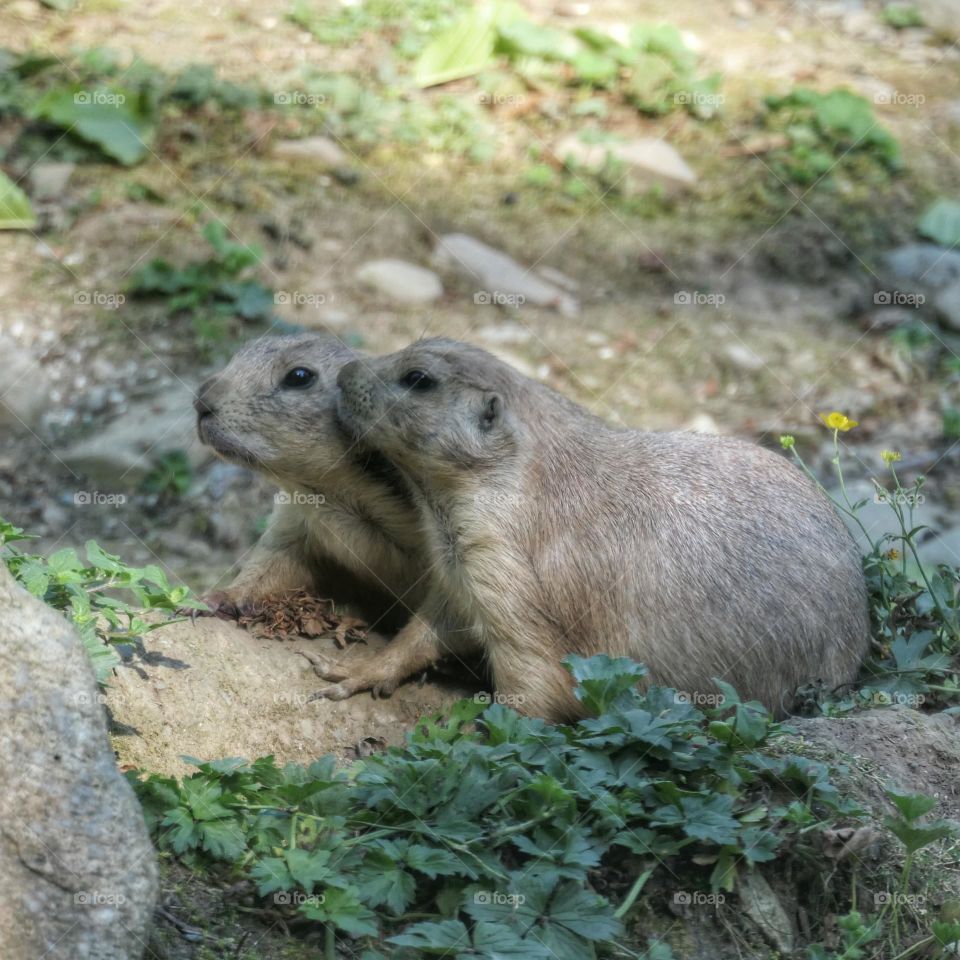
(401, 281)
(124, 451)
(77, 872)
(319, 151)
(943, 16)
(895, 746)
(647, 161)
(501, 280)
(25, 388)
(209, 689)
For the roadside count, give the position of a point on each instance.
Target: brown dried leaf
(286, 616)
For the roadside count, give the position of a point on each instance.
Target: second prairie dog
(343, 524)
(553, 532)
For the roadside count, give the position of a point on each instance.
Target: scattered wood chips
(287, 616)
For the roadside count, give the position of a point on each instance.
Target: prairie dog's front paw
(225, 606)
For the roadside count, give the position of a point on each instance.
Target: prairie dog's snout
(205, 400)
(355, 401)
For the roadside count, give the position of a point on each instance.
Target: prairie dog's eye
(298, 377)
(417, 380)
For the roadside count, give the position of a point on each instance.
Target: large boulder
(209, 689)
(78, 879)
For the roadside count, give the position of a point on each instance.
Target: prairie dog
(344, 523)
(554, 532)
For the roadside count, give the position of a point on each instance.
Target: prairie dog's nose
(203, 401)
(347, 377)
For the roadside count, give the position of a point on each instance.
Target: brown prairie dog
(553, 532)
(343, 524)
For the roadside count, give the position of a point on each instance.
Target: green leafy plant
(951, 423)
(119, 121)
(90, 594)
(656, 71)
(15, 210)
(914, 835)
(170, 477)
(214, 289)
(410, 22)
(915, 609)
(856, 932)
(900, 16)
(824, 130)
(483, 834)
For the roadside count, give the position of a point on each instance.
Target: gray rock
(947, 304)
(763, 907)
(123, 452)
(48, 181)
(501, 280)
(924, 263)
(742, 358)
(648, 160)
(23, 396)
(223, 477)
(78, 877)
(402, 281)
(321, 151)
(941, 16)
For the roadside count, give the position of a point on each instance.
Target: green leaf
(601, 680)
(946, 932)
(103, 658)
(433, 937)
(433, 861)
(308, 867)
(183, 833)
(222, 838)
(900, 16)
(271, 874)
(521, 38)
(584, 913)
(203, 798)
(383, 881)
(911, 806)
(497, 941)
(916, 837)
(462, 50)
(112, 119)
(701, 818)
(343, 909)
(15, 210)
(941, 222)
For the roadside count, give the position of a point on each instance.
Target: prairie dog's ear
(492, 412)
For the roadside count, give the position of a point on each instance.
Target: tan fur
(344, 524)
(553, 532)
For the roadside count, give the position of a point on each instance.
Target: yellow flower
(787, 442)
(892, 554)
(838, 421)
(890, 456)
